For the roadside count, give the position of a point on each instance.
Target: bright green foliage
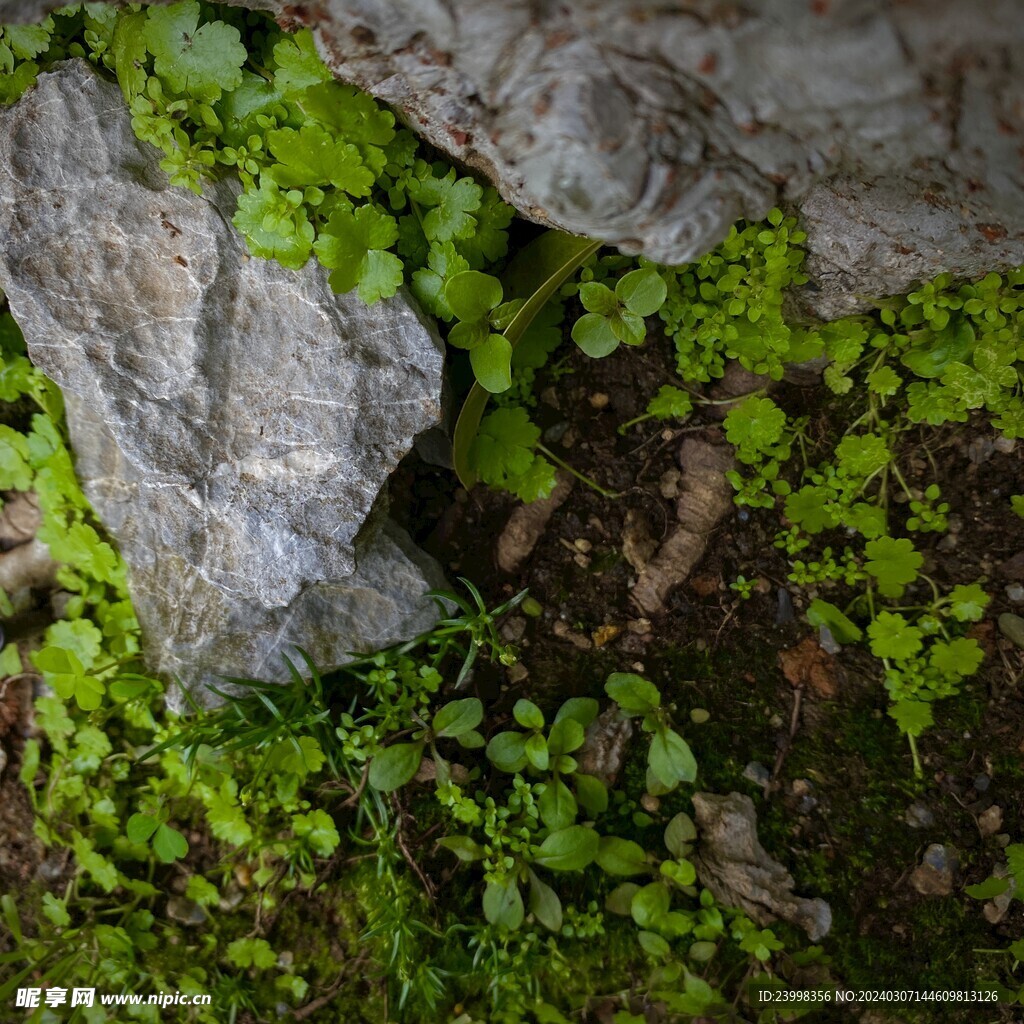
(615, 316)
(669, 758)
(202, 61)
(728, 305)
(893, 562)
(505, 452)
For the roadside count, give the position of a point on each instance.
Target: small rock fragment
(1015, 593)
(990, 821)
(637, 543)
(527, 524)
(731, 862)
(934, 875)
(668, 483)
(604, 748)
(808, 665)
(1012, 627)
(598, 400)
(563, 632)
(605, 635)
(919, 815)
(784, 610)
(757, 773)
(185, 911)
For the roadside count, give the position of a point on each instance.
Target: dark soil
(835, 812)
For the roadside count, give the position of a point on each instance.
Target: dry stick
(794, 723)
(321, 1001)
(428, 887)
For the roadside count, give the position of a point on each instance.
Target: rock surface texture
(734, 865)
(894, 128)
(234, 422)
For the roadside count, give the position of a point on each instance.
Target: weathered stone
(733, 864)
(234, 421)
(893, 128)
(934, 875)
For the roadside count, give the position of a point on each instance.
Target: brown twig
(428, 886)
(794, 725)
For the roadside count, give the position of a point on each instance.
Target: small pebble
(1015, 593)
(784, 611)
(699, 716)
(555, 433)
(582, 544)
(934, 875)
(990, 821)
(1005, 445)
(598, 400)
(980, 450)
(518, 673)
(801, 787)
(981, 783)
(668, 483)
(1012, 627)
(827, 641)
(757, 773)
(650, 803)
(919, 815)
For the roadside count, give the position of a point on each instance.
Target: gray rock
(1012, 627)
(757, 773)
(934, 875)
(733, 864)
(919, 815)
(893, 128)
(234, 421)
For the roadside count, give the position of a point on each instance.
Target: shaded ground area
(830, 774)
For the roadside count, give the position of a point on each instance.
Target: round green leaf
(528, 715)
(469, 335)
(679, 833)
(463, 847)
(621, 856)
(598, 298)
(593, 333)
(507, 752)
(394, 766)
(634, 694)
(471, 295)
(591, 793)
(642, 291)
(620, 899)
(583, 709)
(140, 827)
(569, 849)
(565, 736)
(545, 904)
(557, 805)
(492, 364)
(503, 905)
(169, 844)
(536, 749)
(670, 758)
(654, 945)
(650, 903)
(628, 327)
(458, 717)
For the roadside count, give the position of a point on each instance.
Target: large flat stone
(234, 421)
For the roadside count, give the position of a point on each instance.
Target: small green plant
(616, 315)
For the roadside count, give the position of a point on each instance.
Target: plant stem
(918, 772)
(576, 473)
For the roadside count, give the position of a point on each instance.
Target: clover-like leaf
(892, 636)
